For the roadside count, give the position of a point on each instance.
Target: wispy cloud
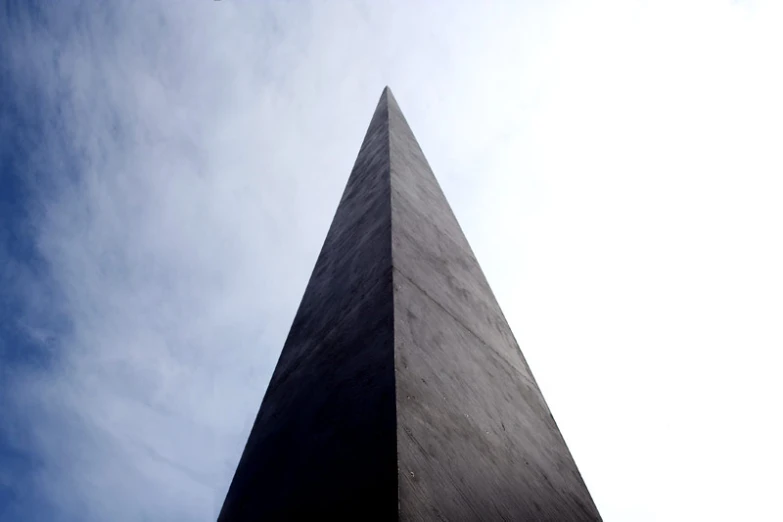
(615, 166)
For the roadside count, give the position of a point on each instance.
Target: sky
(168, 172)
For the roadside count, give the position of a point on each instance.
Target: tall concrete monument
(400, 393)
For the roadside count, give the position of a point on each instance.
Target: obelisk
(401, 393)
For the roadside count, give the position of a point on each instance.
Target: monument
(400, 393)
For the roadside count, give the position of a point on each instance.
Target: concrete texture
(475, 439)
(323, 443)
(401, 393)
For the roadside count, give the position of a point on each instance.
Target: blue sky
(31, 319)
(168, 171)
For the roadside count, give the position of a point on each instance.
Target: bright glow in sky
(170, 169)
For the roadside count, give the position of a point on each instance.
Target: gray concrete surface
(475, 438)
(400, 393)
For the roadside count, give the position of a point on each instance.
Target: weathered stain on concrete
(401, 393)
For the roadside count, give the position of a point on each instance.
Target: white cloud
(615, 165)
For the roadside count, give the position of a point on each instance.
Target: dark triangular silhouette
(400, 393)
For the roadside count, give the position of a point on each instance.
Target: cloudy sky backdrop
(168, 172)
